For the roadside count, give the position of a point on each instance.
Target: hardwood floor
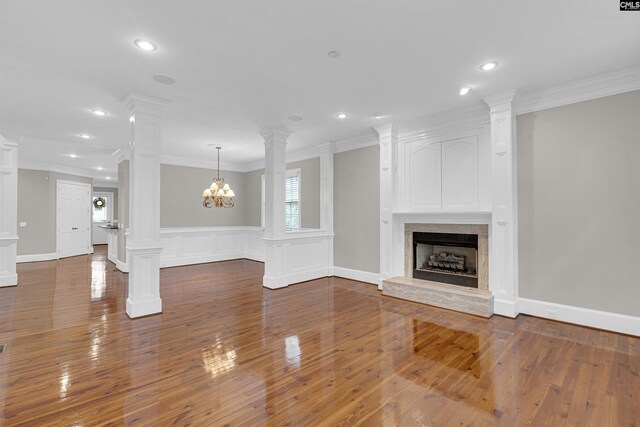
(226, 351)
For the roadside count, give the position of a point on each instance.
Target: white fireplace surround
(454, 170)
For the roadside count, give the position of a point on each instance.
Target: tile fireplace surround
(454, 297)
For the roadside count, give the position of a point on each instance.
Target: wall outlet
(552, 314)
(23, 224)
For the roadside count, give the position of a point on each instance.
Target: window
(104, 214)
(292, 200)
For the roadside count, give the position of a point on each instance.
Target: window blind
(292, 202)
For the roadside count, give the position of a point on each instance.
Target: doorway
(102, 215)
(73, 218)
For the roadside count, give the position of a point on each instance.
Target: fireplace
(446, 257)
(460, 254)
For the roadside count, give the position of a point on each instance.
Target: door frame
(110, 213)
(89, 216)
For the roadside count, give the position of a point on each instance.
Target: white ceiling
(242, 66)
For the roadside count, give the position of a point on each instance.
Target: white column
(388, 140)
(503, 257)
(143, 246)
(8, 212)
(326, 195)
(275, 170)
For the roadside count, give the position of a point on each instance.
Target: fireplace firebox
(446, 257)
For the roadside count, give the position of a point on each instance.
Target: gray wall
(579, 204)
(254, 197)
(309, 193)
(115, 198)
(34, 206)
(37, 207)
(181, 190)
(356, 209)
(123, 207)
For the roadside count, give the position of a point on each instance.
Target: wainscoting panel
(184, 246)
(298, 257)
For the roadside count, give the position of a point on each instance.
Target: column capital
(275, 135)
(327, 147)
(122, 154)
(501, 101)
(387, 130)
(148, 105)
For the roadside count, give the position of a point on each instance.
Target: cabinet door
(460, 173)
(425, 178)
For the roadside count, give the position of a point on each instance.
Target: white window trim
(290, 172)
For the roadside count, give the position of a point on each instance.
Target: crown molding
(580, 90)
(52, 167)
(121, 154)
(357, 142)
(105, 184)
(203, 164)
(501, 101)
(438, 124)
(137, 102)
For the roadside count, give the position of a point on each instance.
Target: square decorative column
(503, 258)
(8, 212)
(275, 170)
(326, 193)
(388, 140)
(143, 246)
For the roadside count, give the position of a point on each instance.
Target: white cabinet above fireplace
(447, 173)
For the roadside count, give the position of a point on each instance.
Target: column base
(144, 280)
(143, 308)
(7, 280)
(506, 306)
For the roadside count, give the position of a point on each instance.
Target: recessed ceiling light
(73, 156)
(108, 177)
(145, 45)
(85, 136)
(99, 168)
(341, 115)
(295, 118)
(163, 79)
(465, 90)
(378, 115)
(334, 54)
(99, 113)
(488, 66)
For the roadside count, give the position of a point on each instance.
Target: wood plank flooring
(332, 352)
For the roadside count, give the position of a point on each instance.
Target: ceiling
(242, 66)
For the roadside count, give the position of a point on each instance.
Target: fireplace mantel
(444, 217)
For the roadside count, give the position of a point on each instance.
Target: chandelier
(219, 194)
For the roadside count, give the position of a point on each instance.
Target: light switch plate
(23, 224)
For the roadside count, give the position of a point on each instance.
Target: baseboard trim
(360, 276)
(199, 259)
(122, 266)
(276, 282)
(7, 280)
(36, 257)
(505, 307)
(608, 321)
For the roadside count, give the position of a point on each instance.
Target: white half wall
(184, 246)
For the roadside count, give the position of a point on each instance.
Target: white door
(73, 218)
(101, 217)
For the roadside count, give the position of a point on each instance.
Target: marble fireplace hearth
(473, 300)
